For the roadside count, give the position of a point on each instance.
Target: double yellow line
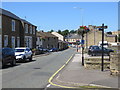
(51, 78)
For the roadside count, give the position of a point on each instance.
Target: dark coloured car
(96, 51)
(53, 50)
(8, 56)
(43, 50)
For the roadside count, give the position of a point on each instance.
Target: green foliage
(73, 31)
(59, 31)
(65, 32)
(51, 31)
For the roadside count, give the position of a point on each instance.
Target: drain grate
(37, 68)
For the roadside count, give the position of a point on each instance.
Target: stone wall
(115, 61)
(95, 62)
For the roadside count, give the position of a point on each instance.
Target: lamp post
(81, 10)
(81, 32)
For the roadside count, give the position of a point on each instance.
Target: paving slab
(75, 75)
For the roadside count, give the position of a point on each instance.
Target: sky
(62, 15)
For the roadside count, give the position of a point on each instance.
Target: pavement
(76, 76)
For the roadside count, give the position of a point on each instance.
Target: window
(28, 41)
(0, 41)
(13, 25)
(18, 41)
(5, 40)
(31, 29)
(0, 21)
(13, 42)
(26, 28)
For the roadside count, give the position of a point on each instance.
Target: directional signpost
(101, 28)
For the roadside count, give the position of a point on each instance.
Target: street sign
(105, 27)
(82, 41)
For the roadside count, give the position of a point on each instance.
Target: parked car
(45, 50)
(105, 44)
(97, 50)
(8, 56)
(23, 53)
(53, 50)
(42, 50)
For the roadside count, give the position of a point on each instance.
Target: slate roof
(45, 34)
(8, 13)
(73, 36)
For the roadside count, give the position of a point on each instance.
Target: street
(35, 74)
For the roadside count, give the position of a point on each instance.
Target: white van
(105, 44)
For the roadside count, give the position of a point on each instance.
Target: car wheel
(92, 54)
(13, 63)
(24, 59)
(30, 59)
(3, 64)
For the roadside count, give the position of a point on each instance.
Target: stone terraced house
(16, 32)
(46, 40)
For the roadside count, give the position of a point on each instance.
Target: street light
(81, 9)
(81, 32)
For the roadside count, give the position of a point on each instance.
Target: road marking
(48, 85)
(51, 78)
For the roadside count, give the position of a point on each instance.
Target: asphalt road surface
(35, 74)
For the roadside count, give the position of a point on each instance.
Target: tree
(59, 31)
(65, 32)
(51, 31)
(73, 31)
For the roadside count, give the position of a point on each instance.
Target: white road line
(48, 85)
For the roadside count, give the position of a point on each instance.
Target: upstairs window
(30, 29)
(5, 40)
(13, 25)
(33, 30)
(26, 28)
(0, 21)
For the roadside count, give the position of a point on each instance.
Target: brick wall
(7, 30)
(93, 38)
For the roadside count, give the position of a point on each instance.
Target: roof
(73, 36)
(45, 34)
(108, 35)
(8, 13)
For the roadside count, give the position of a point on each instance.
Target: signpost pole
(82, 50)
(102, 63)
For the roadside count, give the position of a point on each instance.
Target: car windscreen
(19, 50)
(95, 47)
